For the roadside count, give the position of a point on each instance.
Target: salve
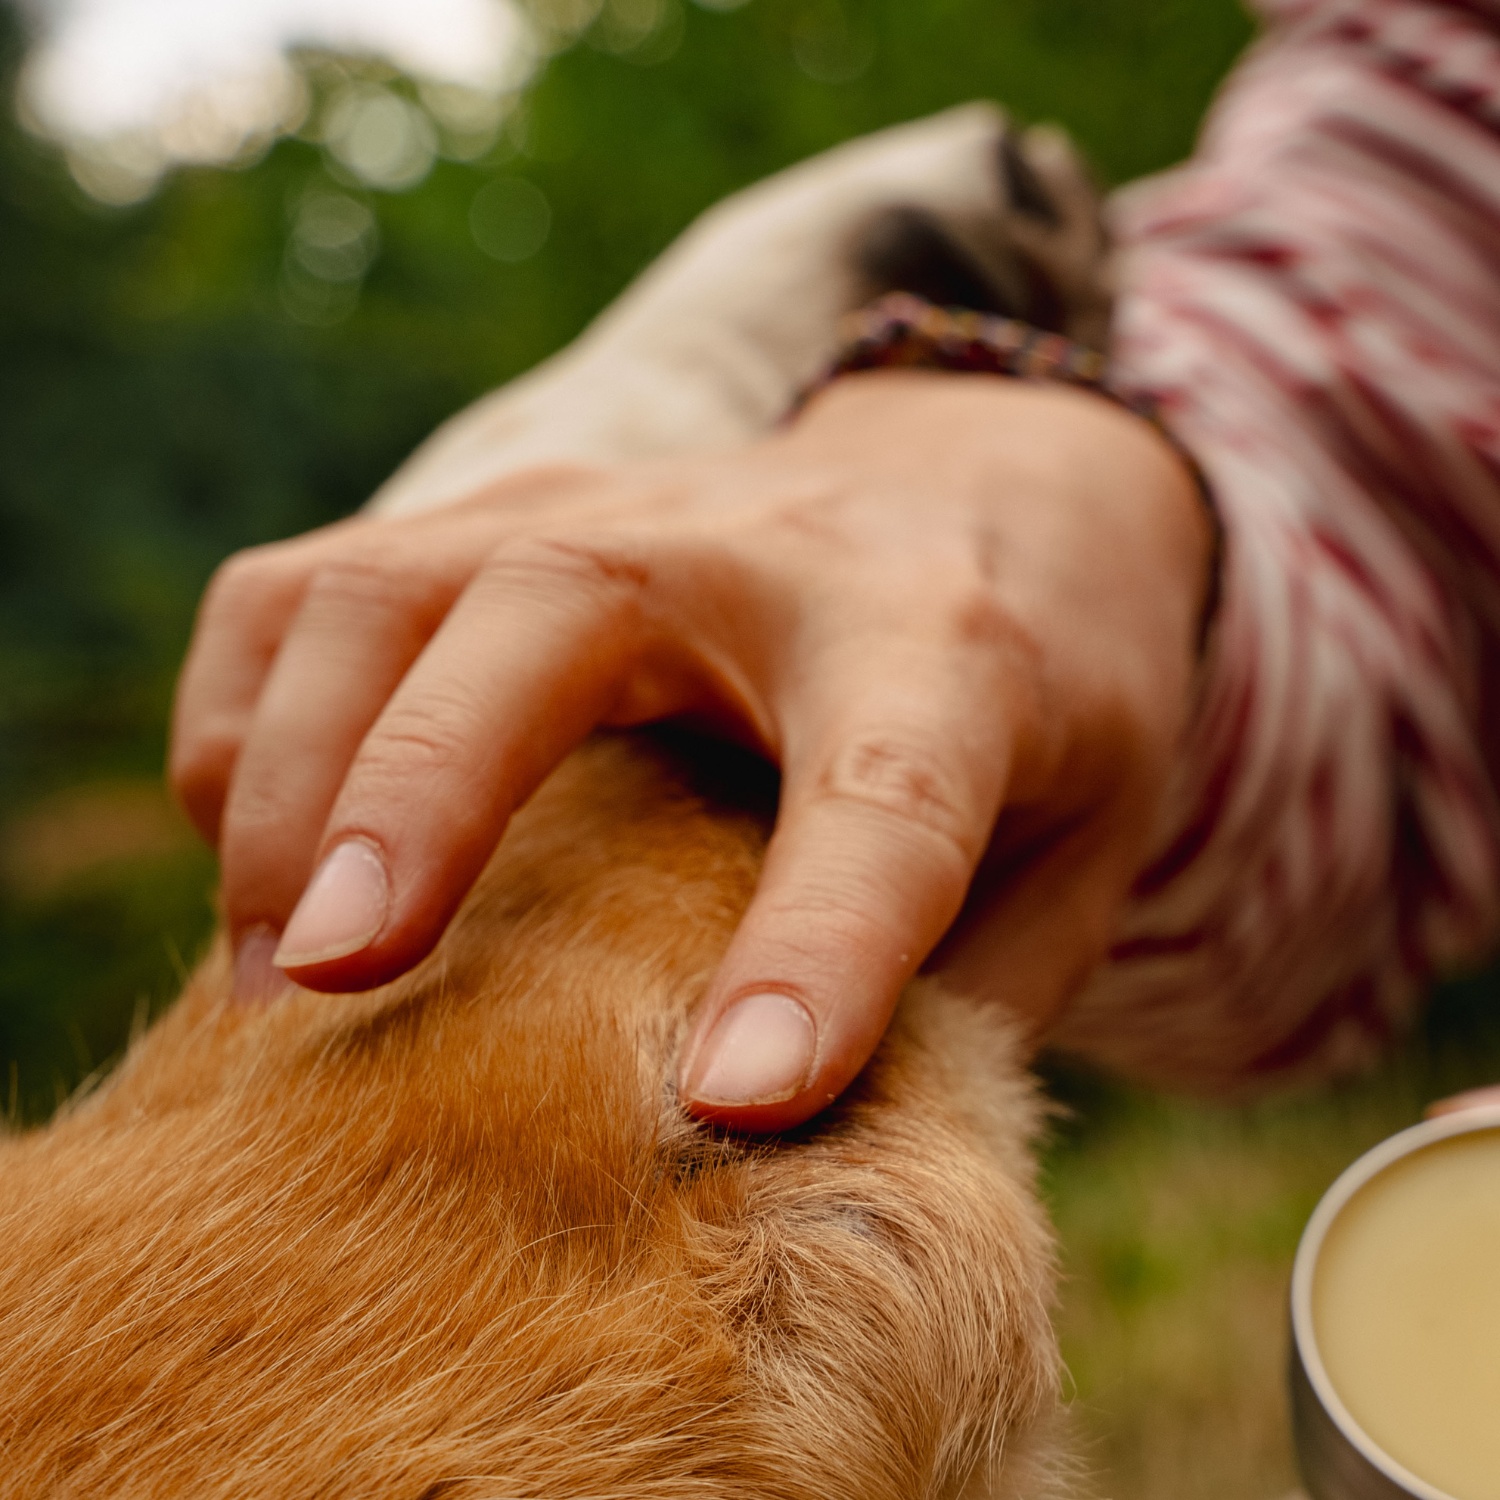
(1406, 1309)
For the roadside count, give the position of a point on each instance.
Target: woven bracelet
(901, 331)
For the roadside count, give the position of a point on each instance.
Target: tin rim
(1304, 1335)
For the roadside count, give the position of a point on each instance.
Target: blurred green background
(189, 375)
(200, 371)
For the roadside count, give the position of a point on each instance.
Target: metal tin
(1339, 1460)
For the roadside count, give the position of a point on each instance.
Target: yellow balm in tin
(1405, 1310)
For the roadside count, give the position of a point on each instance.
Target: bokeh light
(133, 88)
(510, 219)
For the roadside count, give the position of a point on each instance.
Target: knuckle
(231, 589)
(1001, 655)
(426, 740)
(406, 749)
(553, 566)
(205, 746)
(911, 782)
(838, 916)
(978, 616)
(201, 759)
(198, 771)
(255, 822)
(419, 756)
(360, 578)
(375, 584)
(242, 581)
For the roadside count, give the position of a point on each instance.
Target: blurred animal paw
(712, 343)
(1042, 256)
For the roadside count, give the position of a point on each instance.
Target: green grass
(1179, 1222)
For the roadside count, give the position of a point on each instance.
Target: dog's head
(456, 1238)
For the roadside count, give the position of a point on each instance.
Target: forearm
(1315, 300)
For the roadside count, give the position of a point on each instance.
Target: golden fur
(456, 1239)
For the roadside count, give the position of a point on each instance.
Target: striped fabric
(1314, 301)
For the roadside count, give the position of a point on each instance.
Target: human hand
(1485, 1098)
(959, 611)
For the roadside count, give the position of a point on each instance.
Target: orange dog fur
(456, 1239)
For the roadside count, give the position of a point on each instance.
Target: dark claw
(1023, 188)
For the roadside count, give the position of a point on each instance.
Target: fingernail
(760, 1052)
(341, 911)
(257, 980)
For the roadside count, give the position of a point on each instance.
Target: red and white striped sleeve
(1315, 300)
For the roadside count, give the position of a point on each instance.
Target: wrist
(1096, 463)
(906, 333)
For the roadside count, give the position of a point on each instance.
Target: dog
(456, 1237)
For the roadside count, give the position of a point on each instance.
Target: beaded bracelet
(901, 331)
